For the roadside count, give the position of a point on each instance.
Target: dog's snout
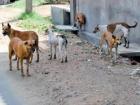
(4, 33)
(33, 50)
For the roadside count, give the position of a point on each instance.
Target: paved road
(7, 96)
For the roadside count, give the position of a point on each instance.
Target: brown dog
(112, 42)
(80, 20)
(23, 50)
(114, 27)
(23, 35)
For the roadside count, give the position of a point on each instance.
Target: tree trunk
(28, 6)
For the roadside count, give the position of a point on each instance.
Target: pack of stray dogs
(23, 43)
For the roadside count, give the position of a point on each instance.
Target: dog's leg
(107, 47)
(18, 64)
(127, 44)
(31, 58)
(66, 60)
(10, 57)
(116, 53)
(111, 56)
(110, 53)
(60, 52)
(27, 61)
(37, 52)
(54, 52)
(50, 52)
(126, 40)
(10, 64)
(101, 44)
(21, 63)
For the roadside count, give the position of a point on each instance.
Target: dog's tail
(136, 23)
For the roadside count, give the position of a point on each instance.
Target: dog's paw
(18, 69)
(127, 46)
(66, 60)
(62, 61)
(124, 45)
(50, 59)
(28, 75)
(23, 75)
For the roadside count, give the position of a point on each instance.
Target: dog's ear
(113, 36)
(9, 25)
(2, 24)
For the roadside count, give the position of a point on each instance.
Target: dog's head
(50, 29)
(30, 45)
(6, 29)
(80, 20)
(117, 40)
(96, 29)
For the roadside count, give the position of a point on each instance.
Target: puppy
(115, 28)
(59, 40)
(112, 41)
(23, 35)
(23, 50)
(80, 20)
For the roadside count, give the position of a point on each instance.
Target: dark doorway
(13, 0)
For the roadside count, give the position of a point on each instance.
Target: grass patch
(33, 21)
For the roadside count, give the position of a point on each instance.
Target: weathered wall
(107, 11)
(4, 1)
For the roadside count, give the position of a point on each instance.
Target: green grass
(33, 21)
(21, 3)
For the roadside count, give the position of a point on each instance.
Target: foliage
(33, 21)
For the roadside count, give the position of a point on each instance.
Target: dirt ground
(85, 80)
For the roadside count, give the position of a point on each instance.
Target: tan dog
(112, 42)
(23, 50)
(23, 35)
(80, 20)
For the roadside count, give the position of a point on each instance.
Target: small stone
(89, 60)
(46, 72)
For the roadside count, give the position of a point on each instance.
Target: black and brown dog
(23, 35)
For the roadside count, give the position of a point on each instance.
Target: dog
(23, 50)
(112, 41)
(23, 35)
(55, 40)
(80, 20)
(115, 28)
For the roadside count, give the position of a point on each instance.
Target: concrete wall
(60, 15)
(4, 2)
(107, 11)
